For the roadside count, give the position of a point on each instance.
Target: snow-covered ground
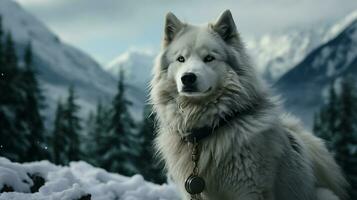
(78, 181)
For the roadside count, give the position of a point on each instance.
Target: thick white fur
(254, 156)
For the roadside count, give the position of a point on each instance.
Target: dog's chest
(227, 173)
(234, 175)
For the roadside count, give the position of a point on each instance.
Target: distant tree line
(109, 138)
(336, 123)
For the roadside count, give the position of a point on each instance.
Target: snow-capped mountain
(273, 53)
(58, 64)
(305, 87)
(137, 66)
(276, 53)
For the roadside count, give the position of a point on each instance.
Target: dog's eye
(181, 59)
(208, 58)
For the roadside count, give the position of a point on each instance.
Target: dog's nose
(188, 79)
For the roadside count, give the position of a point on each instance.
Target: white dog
(208, 99)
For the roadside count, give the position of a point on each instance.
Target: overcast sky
(107, 28)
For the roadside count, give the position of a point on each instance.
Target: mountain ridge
(58, 65)
(273, 54)
(305, 86)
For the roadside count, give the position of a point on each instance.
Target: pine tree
(7, 130)
(67, 128)
(30, 113)
(11, 104)
(150, 166)
(22, 129)
(98, 131)
(59, 143)
(346, 134)
(9, 73)
(121, 154)
(2, 56)
(325, 121)
(5, 124)
(72, 126)
(317, 124)
(337, 124)
(87, 143)
(10, 53)
(332, 110)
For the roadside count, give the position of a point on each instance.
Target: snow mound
(78, 181)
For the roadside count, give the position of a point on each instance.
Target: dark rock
(86, 197)
(6, 188)
(38, 182)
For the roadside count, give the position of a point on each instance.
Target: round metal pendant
(194, 184)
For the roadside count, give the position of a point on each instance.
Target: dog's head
(200, 64)
(196, 57)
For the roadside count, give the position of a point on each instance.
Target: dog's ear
(172, 26)
(225, 26)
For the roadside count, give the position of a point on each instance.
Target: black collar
(198, 134)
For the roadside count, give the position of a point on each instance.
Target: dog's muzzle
(189, 82)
